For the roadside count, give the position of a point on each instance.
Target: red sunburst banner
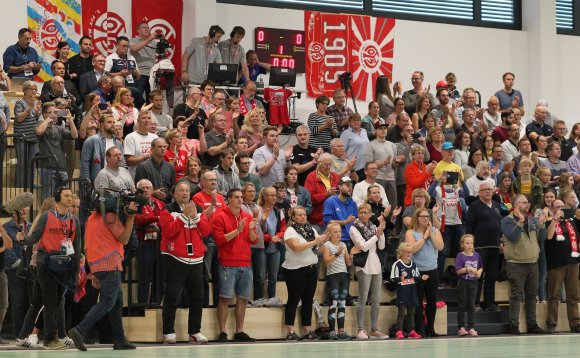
(338, 43)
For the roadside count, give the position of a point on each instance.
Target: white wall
(478, 56)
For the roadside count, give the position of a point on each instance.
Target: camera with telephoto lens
(115, 201)
(162, 45)
(345, 79)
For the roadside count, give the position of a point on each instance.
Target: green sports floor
(560, 345)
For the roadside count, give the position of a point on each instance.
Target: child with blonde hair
(405, 273)
(336, 259)
(469, 268)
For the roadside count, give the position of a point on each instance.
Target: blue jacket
(93, 155)
(334, 209)
(13, 256)
(304, 198)
(13, 56)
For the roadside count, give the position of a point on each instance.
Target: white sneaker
(30, 342)
(378, 335)
(362, 334)
(67, 341)
(197, 338)
(169, 338)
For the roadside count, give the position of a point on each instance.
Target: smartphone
(189, 249)
(103, 106)
(61, 113)
(452, 177)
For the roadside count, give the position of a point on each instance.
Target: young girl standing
(469, 267)
(404, 273)
(336, 259)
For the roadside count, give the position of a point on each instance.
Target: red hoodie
(235, 252)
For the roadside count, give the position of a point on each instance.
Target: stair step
(480, 317)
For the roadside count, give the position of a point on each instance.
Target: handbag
(360, 259)
(58, 263)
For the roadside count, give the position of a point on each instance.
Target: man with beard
(501, 133)
(341, 209)
(93, 158)
(21, 60)
(82, 61)
(164, 121)
(339, 111)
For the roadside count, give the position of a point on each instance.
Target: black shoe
(223, 337)
(77, 337)
(551, 330)
(492, 308)
(124, 345)
(292, 337)
(575, 329)
(536, 330)
(432, 334)
(514, 329)
(243, 337)
(310, 336)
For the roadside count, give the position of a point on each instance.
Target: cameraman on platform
(104, 240)
(58, 232)
(143, 49)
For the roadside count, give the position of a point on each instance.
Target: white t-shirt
(359, 193)
(138, 145)
(295, 260)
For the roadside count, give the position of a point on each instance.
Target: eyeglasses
(364, 213)
(325, 103)
(282, 190)
(423, 216)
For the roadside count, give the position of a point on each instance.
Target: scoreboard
(281, 48)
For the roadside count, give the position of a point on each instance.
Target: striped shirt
(338, 265)
(318, 138)
(27, 126)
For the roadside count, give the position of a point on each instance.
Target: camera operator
(148, 234)
(143, 48)
(104, 240)
(59, 233)
(184, 225)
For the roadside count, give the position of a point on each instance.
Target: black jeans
(18, 288)
(149, 285)
(428, 290)
(466, 291)
(301, 285)
(178, 276)
(52, 298)
(490, 259)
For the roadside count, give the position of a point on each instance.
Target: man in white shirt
(359, 193)
(138, 144)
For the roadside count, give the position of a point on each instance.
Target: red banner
(104, 20)
(163, 17)
(339, 43)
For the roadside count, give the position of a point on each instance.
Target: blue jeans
(259, 271)
(235, 279)
(542, 273)
(143, 88)
(451, 238)
(24, 165)
(111, 302)
(50, 179)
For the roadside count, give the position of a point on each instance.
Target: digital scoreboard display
(281, 48)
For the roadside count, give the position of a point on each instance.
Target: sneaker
(274, 302)
(492, 308)
(478, 308)
(67, 341)
(414, 334)
(243, 337)
(125, 345)
(333, 336)
(310, 336)
(535, 330)
(378, 335)
(223, 337)
(77, 338)
(55, 344)
(462, 332)
(292, 336)
(30, 342)
(362, 334)
(169, 338)
(399, 335)
(473, 332)
(343, 336)
(197, 338)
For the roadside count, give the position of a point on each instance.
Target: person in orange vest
(58, 234)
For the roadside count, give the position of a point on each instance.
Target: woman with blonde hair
(435, 141)
(252, 130)
(175, 154)
(124, 110)
(426, 242)
(423, 107)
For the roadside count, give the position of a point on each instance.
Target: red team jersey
(278, 100)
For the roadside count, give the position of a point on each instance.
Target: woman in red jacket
(417, 173)
(183, 225)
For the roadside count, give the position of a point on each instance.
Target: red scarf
(571, 233)
(443, 208)
(243, 107)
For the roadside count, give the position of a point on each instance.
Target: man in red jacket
(322, 184)
(183, 225)
(234, 230)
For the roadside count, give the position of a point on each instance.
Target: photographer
(59, 235)
(184, 225)
(143, 49)
(104, 240)
(51, 139)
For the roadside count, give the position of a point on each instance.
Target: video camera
(115, 201)
(345, 78)
(162, 45)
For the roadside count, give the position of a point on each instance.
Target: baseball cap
(344, 179)
(441, 84)
(447, 146)
(380, 124)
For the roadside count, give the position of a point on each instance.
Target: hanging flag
(164, 18)
(340, 43)
(104, 21)
(52, 22)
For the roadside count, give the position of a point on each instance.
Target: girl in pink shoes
(469, 267)
(405, 273)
